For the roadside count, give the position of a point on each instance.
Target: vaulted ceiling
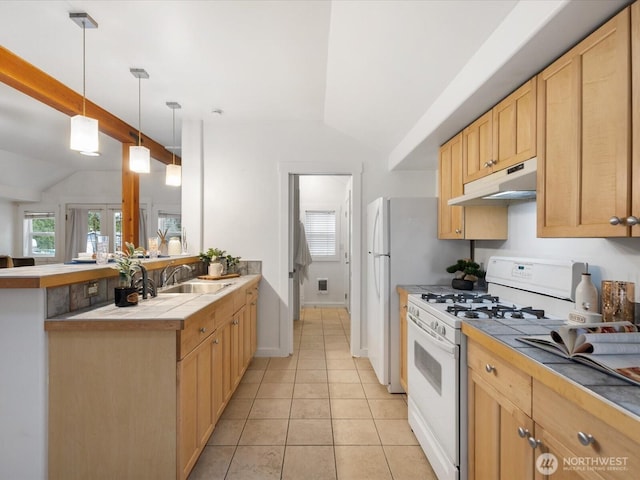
(374, 70)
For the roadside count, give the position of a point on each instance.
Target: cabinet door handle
(631, 221)
(458, 231)
(235, 322)
(585, 439)
(523, 432)
(486, 164)
(534, 442)
(489, 368)
(216, 341)
(202, 329)
(615, 221)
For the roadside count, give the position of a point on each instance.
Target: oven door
(434, 401)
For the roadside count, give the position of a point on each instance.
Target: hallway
(319, 414)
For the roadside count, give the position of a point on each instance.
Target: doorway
(346, 255)
(322, 248)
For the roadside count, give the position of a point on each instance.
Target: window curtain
(142, 229)
(76, 232)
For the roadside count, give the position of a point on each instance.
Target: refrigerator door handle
(378, 255)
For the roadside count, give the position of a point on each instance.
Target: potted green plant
(213, 258)
(466, 273)
(231, 263)
(127, 263)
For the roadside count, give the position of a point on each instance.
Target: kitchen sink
(195, 287)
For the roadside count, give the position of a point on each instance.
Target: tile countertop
(57, 274)
(167, 311)
(596, 391)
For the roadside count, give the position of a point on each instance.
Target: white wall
(242, 190)
(325, 192)
(609, 259)
(7, 231)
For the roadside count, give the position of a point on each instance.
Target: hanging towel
(303, 256)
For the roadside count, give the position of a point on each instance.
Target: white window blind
(320, 228)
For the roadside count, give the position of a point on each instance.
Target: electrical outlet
(91, 289)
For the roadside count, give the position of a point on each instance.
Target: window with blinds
(320, 229)
(39, 234)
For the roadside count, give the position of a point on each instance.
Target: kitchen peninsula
(88, 387)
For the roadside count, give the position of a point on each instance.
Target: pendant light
(174, 172)
(139, 156)
(84, 130)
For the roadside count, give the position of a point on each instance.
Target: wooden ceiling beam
(23, 76)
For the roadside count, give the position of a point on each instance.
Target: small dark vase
(461, 284)
(125, 296)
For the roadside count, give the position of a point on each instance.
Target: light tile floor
(319, 414)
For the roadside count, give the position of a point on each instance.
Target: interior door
(294, 280)
(346, 247)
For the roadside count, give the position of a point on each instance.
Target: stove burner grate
(459, 298)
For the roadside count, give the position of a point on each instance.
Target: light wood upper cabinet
(477, 145)
(450, 219)
(635, 109)
(456, 222)
(514, 127)
(502, 137)
(584, 149)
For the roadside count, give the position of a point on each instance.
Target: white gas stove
(520, 290)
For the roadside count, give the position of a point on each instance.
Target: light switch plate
(91, 289)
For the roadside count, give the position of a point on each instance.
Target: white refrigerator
(402, 249)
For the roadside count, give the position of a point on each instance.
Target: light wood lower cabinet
(515, 418)
(133, 404)
(496, 448)
(196, 416)
(404, 302)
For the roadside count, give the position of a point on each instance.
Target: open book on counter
(613, 347)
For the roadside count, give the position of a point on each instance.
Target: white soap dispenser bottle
(586, 293)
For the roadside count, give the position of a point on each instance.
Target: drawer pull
(585, 439)
(533, 442)
(523, 432)
(489, 368)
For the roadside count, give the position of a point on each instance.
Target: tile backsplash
(69, 298)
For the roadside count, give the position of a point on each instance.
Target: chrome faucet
(144, 284)
(166, 276)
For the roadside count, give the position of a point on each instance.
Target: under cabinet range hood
(515, 183)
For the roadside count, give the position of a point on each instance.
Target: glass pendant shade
(139, 159)
(174, 175)
(84, 135)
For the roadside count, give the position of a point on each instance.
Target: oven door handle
(435, 341)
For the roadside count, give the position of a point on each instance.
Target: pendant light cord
(139, 113)
(173, 150)
(84, 59)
